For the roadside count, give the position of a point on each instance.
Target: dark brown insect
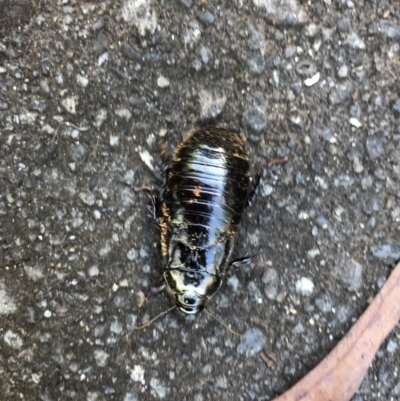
(206, 187)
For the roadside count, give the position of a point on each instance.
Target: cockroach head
(189, 303)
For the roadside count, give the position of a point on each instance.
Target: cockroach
(206, 187)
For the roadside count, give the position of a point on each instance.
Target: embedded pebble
(129, 177)
(392, 346)
(87, 198)
(288, 12)
(255, 119)
(141, 15)
(114, 140)
(255, 63)
(35, 273)
(137, 374)
(101, 357)
(312, 253)
(354, 41)
(69, 104)
(124, 113)
(355, 122)
(343, 71)
(82, 81)
(375, 146)
(147, 159)
(7, 303)
(344, 25)
(211, 103)
(324, 302)
(313, 80)
(385, 27)
(162, 82)
(304, 286)
(206, 18)
(204, 54)
(388, 253)
(132, 254)
(130, 396)
(367, 182)
(266, 189)
(12, 339)
(116, 327)
(255, 115)
(93, 271)
(130, 321)
(357, 165)
(350, 272)
(270, 281)
(129, 52)
(158, 387)
(341, 92)
(234, 283)
(343, 180)
(251, 342)
(100, 118)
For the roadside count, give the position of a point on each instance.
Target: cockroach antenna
(223, 323)
(154, 319)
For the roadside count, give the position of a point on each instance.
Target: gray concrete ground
(86, 91)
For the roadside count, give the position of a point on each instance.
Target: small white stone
(137, 374)
(355, 122)
(102, 59)
(343, 71)
(97, 215)
(101, 357)
(147, 159)
(75, 134)
(313, 80)
(87, 197)
(303, 215)
(266, 190)
(69, 104)
(304, 286)
(7, 304)
(36, 377)
(321, 182)
(12, 339)
(47, 314)
(93, 271)
(391, 346)
(312, 253)
(124, 283)
(115, 287)
(162, 82)
(82, 81)
(101, 116)
(124, 113)
(114, 140)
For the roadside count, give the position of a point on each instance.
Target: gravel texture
(86, 91)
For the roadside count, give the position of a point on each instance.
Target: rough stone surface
(81, 118)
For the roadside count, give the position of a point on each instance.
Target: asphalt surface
(88, 89)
